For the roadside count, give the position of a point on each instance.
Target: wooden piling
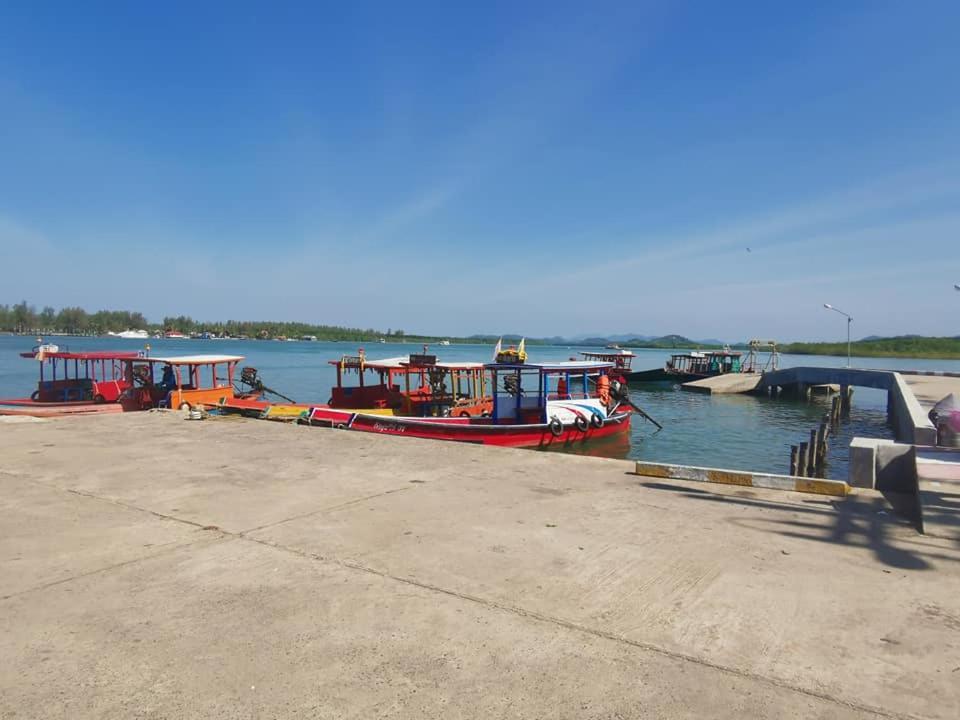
(846, 398)
(821, 448)
(794, 455)
(802, 460)
(812, 454)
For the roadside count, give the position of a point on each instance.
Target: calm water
(731, 431)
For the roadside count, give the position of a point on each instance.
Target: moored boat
(72, 383)
(694, 365)
(182, 382)
(537, 405)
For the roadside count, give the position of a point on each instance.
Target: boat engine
(251, 379)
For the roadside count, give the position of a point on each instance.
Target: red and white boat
(538, 405)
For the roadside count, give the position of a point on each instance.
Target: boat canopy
(617, 353)
(99, 355)
(571, 366)
(401, 362)
(192, 359)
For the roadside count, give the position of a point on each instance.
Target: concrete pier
(152, 566)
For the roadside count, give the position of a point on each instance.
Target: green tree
(24, 317)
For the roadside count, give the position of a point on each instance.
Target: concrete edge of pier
(767, 481)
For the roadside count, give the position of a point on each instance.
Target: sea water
(729, 431)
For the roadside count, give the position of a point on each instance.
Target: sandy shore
(156, 567)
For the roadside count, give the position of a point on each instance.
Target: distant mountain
(665, 341)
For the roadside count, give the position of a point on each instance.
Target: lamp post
(828, 306)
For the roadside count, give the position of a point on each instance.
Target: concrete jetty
(152, 566)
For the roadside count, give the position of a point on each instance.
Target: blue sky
(546, 168)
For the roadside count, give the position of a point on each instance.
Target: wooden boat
(73, 383)
(182, 382)
(684, 367)
(411, 385)
(621, 359)
(532, 406)
(416, 385)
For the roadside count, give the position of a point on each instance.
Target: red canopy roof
(100, 355)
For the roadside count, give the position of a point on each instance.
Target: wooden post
(824, 447)
(846, 398)
(802, 461)
(821, 448)
(794, 455)
(813, 450)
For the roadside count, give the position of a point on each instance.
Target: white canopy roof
(192, 359)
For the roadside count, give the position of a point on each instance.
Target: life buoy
(603, 389)
(596, 420)
(556, 427)
(581, 423)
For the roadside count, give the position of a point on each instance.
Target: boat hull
(480, 431)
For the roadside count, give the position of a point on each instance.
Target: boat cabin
(705, 364)
(531, 393)
(621, 359)
(184, 381)
(99, 377)
(414, 385)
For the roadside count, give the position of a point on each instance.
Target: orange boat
(181, 382)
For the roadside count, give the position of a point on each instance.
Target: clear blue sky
(545, 168)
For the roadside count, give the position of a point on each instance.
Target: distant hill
(907, 346)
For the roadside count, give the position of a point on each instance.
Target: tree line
(23, 317)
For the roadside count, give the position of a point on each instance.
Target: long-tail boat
(533, 405)
(416, 385)
(74, 382)
(694, 365)
(182, 382)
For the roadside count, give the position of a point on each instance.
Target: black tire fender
(581, 423)
(556, 427)
(596, 420)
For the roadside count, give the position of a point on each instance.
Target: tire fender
(556, 427)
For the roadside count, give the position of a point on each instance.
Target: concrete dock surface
(931, 389)
(156, 567)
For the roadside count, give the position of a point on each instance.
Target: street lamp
(828, 306)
